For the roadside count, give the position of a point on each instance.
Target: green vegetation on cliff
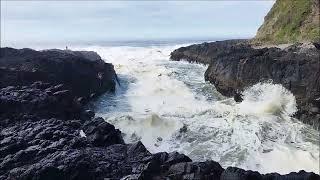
(290, 21)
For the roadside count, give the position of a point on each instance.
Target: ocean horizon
(110, 43)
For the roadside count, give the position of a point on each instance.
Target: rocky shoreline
(236, 64)
(46, 132)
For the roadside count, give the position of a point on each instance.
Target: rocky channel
(46, 133)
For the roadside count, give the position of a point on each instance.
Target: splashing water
(268, 98)
(169, 107)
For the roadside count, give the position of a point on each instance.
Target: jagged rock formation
(291, 21)
(235, 65)
(82, 72)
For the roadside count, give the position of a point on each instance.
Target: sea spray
(268, 98)
(149, 128)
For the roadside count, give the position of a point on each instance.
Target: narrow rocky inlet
(47, 131)
(164, 116)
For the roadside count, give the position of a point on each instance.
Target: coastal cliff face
(82, 72)
(234, 67)
(291, 21)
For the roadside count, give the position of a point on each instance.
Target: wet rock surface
(236, 65)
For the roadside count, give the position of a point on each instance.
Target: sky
(93, 21)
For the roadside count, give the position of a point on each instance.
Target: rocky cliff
(291, 21)
(234, 66)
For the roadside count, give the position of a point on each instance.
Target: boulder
(101, 133)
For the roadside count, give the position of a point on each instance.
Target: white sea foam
(168, 106)
(82, 134)
(268, 98)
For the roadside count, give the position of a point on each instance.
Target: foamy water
(169, 107)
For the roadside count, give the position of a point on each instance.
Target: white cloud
(105, 20)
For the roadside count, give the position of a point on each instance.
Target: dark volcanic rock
(204, 53)
(234, 66)
(101, 133)
(38, 99)
(90, 55)
(40, 138)
(195, 170)
(233, 173)
(80, 71)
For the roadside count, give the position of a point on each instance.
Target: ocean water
(169, 107)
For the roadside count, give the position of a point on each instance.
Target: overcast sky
(66, 21)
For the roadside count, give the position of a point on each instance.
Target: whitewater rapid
(169, 107)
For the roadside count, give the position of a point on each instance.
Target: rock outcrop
(235, 65)
(72, 144)
(80, 71)
(204, 53)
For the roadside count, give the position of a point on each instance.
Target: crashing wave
(268, 98)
